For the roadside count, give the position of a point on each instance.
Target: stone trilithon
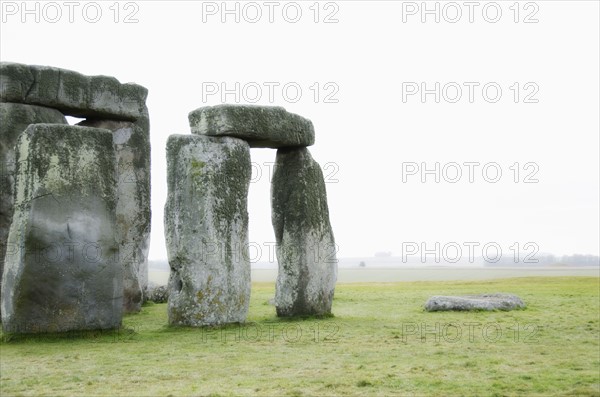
(42, 95)
(206, 221)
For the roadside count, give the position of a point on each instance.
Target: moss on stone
(300, 218)
(299, 197)
(51, 141)
(208, 180)
(66, 189)
(260, 126)
(72, 93)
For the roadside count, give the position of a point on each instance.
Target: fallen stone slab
(61, 272)
(71, 92)
(474, 302)
(14, 119)
(206, 229)
(132, 151)
(306, 251)
(260, 126)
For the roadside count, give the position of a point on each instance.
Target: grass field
(380, 342)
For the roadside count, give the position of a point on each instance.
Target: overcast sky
(518, 94)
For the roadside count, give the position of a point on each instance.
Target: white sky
(369, 55)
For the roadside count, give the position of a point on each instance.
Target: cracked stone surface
(132, 151)
(474, 302)
(61, 271)
(105, 103)
(260, 126)
(14, 119)
(306, 251)
(206, 229)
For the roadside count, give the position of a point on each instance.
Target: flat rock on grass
(260, 126)
(474, 302)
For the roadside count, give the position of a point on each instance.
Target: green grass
(373, 346)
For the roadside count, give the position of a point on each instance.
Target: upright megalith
(306, 250)
(104, 102)
(132, 151)
(260, 126)
(206, 229)
(14, 118)
(62, 272)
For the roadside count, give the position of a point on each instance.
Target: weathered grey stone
(107, 104)
(306, 250)
(260, 126)
(70, 92)
(474, 302)
(61, 273)
(132, 149)
(14, 118)
(206, 229)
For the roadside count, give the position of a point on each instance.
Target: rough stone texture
(206, 229)
(70, 92)
(132, 149)
(260, 126)
(14, 118)
(306, 250)
(61, 273)
(474, 302)
(105, 103)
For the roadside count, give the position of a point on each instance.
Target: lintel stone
(71, 92)
(260, 126)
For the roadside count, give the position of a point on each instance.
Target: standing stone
(132, 151)
(14, 118)
(260, 126)
(305, 244)
(63, 274)
(206, 229)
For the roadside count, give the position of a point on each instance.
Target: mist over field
(390, 261)
(393, 269)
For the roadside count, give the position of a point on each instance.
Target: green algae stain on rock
(131, 144)
(206, 225)
(305, 242)
(67, 198)
(260, 126)
(197, 174)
